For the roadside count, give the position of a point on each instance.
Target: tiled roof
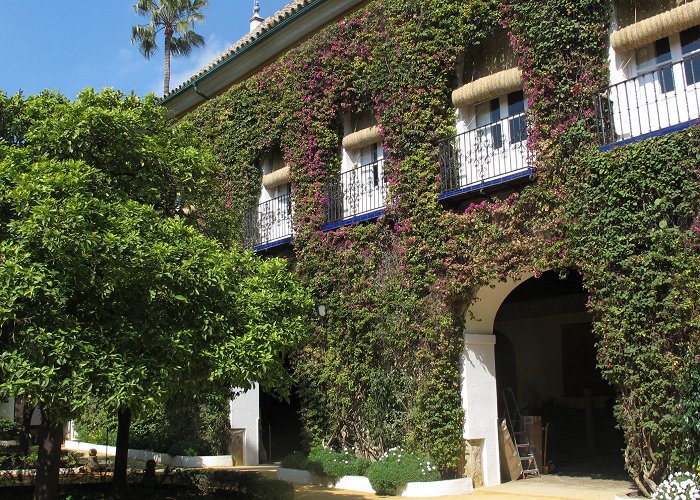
(269, 23)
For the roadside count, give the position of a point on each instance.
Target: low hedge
(397, 468)
(336, 464)
(295, 460)
(9, 429)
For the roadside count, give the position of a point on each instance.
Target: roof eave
(266, 47)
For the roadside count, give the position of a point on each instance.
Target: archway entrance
(280, 427)
(545, 353)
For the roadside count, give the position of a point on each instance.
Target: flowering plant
(336, 464)
(680, 485)
(398, 467)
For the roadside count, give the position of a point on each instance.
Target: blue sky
(69, 45)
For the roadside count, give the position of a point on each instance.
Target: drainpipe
(196, 91)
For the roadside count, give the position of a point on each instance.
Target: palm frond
(145, 36)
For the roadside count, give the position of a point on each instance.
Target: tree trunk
(120, 484)
(166, 82)
(24, 436)
(50, 438)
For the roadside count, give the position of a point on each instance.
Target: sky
(67, 45)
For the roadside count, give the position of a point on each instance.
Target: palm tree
(176, 19)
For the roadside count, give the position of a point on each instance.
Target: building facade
(488, 199)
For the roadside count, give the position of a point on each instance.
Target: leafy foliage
(295, 460)
(9, 429)
(398, 468)
(633, 211)
(108, 288)
(175, 18)
(201, 421)
(383, 368)
(336, 464)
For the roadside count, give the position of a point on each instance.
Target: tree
(105, 291)
(176, 19)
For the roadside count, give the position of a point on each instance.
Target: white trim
(161, 458)
(479, 339)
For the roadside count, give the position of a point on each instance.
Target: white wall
(245, 414)
(479, 395)
(7, 408)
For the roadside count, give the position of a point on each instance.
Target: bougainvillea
(384, 368)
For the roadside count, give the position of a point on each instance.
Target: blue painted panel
(485, 184)
(353, 220)
(276, 243)
(656, 133)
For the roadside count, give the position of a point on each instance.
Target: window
(652, 56)
(690, 48)
(489, 126)
(486, 113)
(369, 159)
(516, 110)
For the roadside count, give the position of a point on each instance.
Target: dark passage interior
(280, 427)
(545, 353)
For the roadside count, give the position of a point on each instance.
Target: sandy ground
(551, 487)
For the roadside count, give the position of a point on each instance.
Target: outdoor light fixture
(321, 309)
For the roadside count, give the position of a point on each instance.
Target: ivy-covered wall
(384, 366)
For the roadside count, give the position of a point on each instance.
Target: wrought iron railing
(488, 153)
(650, 102)
(359, 191)
(268, 222)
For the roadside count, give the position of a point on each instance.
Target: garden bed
(159, 458)
(447, 487)
(179, 484)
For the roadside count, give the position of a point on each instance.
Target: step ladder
(516, 424)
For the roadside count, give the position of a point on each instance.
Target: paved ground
(552, 487)
(588, 485)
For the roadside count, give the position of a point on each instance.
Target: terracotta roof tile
(265, 26)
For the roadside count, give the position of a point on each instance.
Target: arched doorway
(545, 352)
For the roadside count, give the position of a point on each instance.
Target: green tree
(105, 292)
(175, 18)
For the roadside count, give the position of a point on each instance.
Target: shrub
(336, 464)
(162, 426)
(249, 485)
(681, 486)
(9, 429)
(397, 468)
(295, 460)
(187, 449)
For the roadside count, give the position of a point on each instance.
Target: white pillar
(7, 408)
(245, 414)
(479, 395)
(480, 401)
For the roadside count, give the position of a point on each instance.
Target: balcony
(656, 103)
(269, 224)
(356, 195)
(493, 154)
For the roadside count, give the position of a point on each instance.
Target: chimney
(256, 20)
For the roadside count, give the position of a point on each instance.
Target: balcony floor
(655, 133)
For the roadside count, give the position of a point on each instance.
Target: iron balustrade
(268, 222)
(359, 191)
(650, 102)
(484, 154)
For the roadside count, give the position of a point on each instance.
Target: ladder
(526, 451)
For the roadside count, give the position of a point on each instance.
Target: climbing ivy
(633, 230)
(384, 366)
